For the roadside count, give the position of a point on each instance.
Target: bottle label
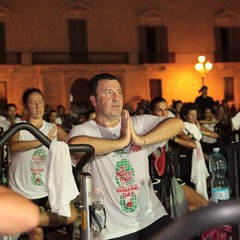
(220, 194)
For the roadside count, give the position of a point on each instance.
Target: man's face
(160, 109)
(35, 105)
(205, 91)
(11, 112)
(61, 111)
(192, 116)
(108, 101)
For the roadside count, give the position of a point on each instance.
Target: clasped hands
(128, 134)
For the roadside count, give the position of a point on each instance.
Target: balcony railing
(79, 58)
(10, 58)
(227, 56)
(168, 57)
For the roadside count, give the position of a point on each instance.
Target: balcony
(168, 57)
(227, 56)
(79, 58)
(10, 58)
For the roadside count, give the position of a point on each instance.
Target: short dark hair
(60, 106)
(202, 88)
(10, 105)
(186, 108)
(176, 103)
(52, 111)
(28, 92)
(154, 101)
(93, 82)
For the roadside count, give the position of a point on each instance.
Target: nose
(115, 96)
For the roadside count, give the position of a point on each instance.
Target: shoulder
(144, 118)
(83, 128)
(48, 125)
(146, 122)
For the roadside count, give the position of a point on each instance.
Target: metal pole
(86, 203)
(202, 80)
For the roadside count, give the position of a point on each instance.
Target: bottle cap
(216, 150)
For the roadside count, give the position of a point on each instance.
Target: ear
(93, 100)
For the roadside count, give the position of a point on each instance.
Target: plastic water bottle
(99, 214)
(219, 183)
(98, 199)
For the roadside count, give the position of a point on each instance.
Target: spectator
(158, 107)
(52, 116)
(204, 101)
(193, 168)
(210, 136)
(61, 115)
(120, 167)
(176, 108)
(11, 118)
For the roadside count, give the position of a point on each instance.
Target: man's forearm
(164, 131)
(102, 146)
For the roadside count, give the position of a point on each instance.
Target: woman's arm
(185, 141)
(205, 131)
(16, 145)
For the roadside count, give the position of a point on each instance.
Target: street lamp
(203, 67)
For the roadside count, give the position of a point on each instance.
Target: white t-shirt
(236, 121)
(28, 168)
(123, 177)
(5, 124)
(207, 139)
(192, 129)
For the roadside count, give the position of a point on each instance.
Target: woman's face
(160, 109)
(35, 105)
(208, 113)
(178, 107)
(192, 116)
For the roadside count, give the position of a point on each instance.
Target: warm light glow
(199, 67)
(201, 59)
(208, 66)
(203, 67)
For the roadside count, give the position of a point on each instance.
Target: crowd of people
(128, 144)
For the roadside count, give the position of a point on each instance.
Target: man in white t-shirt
(120, 167)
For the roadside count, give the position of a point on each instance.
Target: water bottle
(98, 215)
(98, 199)
(219, 183)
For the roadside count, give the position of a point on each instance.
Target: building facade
(150, 45)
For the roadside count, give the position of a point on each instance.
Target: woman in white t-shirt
(28, 167)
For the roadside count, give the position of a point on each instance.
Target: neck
(36, 122)
(103, 124)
